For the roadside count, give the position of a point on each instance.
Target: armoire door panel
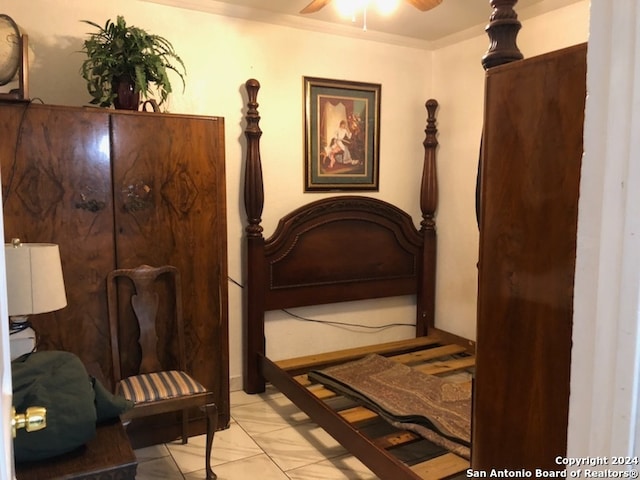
(56, 184)
(170, 208)
(532, 151)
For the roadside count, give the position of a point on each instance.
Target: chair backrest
(145, 320)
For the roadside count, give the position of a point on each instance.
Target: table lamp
(34, 284)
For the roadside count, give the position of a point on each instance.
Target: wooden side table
(107, 456)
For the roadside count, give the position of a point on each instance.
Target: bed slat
(430, 354)
(315, 361)
(396, 439)
(441, 467)
(450, 366)
(358, 414)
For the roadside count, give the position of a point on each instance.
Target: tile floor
(269, 439)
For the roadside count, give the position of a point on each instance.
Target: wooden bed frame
(297, 266)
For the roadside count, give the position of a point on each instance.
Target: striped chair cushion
(150, 387)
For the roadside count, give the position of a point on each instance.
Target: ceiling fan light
(348, 8)
(386, 7)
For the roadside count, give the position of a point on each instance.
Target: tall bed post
(254, 202)
(428, 204)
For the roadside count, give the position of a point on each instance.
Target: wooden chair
(153, 387)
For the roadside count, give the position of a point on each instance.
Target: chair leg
(211, 411)
(185, 426)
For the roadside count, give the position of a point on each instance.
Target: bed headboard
(335, 249)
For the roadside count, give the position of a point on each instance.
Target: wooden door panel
(170, 208)
(530, 182)
(57, 188)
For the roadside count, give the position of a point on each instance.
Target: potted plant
(124, 62)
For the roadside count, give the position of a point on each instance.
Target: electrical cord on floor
(333, 322)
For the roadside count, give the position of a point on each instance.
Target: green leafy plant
(117, 50)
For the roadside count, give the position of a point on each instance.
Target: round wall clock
(10, 49)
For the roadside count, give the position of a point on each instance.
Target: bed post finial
(253, 186)
(502, 30)
(429, 187)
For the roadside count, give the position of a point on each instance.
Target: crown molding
(294, 21)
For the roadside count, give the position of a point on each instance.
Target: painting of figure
(342, 135)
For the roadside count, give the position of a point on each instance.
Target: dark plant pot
(126, 96)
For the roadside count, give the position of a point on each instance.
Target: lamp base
(17, 323)
(21, 342)
(22, 338)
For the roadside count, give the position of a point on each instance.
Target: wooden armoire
(530, 175)
(118, 189)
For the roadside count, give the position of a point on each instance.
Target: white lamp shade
(34, 278)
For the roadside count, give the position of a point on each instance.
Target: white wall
(221, 53)
(459, 87)
(603, 409)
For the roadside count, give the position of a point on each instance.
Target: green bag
(59, 382)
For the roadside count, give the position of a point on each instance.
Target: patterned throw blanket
(430, 406)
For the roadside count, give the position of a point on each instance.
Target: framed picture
(342, 135)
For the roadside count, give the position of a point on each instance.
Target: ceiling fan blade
(424, 5)
(314, 6)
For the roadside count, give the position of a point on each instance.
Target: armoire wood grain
(531, 158)
(117, 190)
